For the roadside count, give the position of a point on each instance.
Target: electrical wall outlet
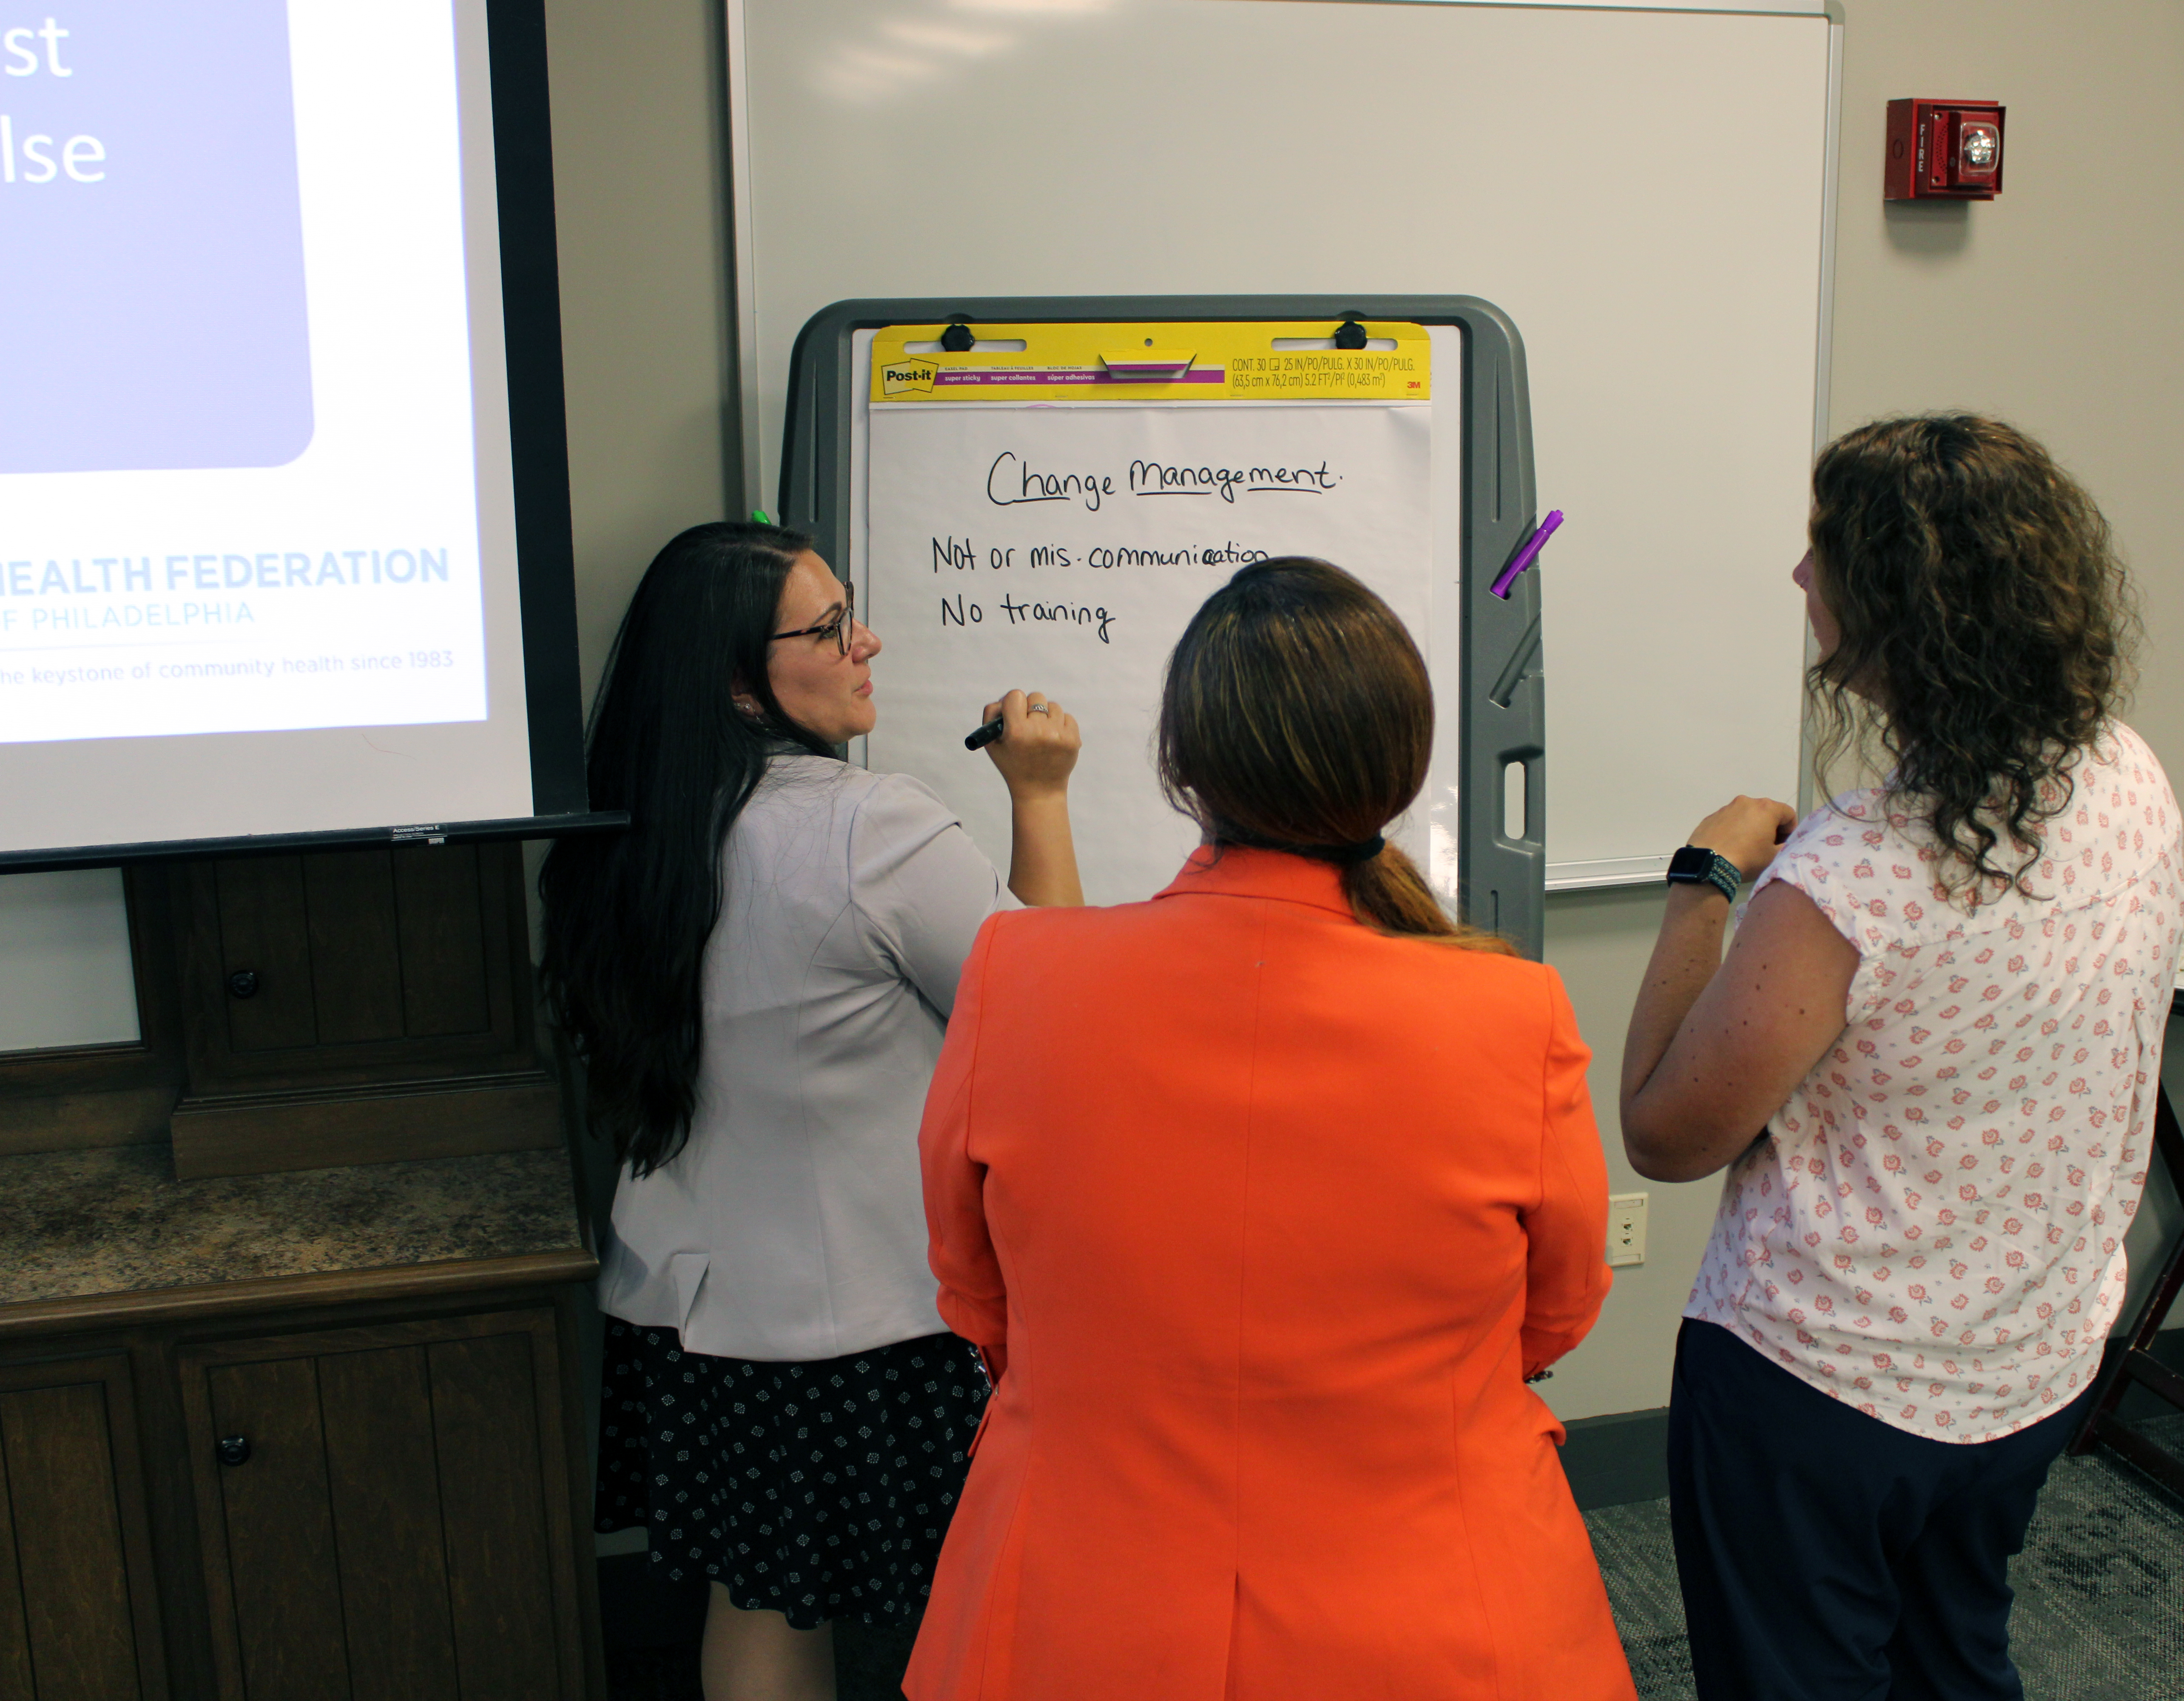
(1626, 1228)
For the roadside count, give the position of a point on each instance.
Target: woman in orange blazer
(1264, 1199)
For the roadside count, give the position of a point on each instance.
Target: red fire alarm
(1944, 150)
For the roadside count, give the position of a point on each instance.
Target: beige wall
(640, 200)
(2053, 306)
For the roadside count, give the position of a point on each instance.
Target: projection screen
(284, 536)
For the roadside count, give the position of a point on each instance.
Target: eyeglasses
(837, 628)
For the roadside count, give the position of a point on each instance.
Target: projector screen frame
(530, 314)
(531, 319)
(288, 843)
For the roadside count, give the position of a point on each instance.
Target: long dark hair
(1296, 716)
(627, 915)
(1985, 623)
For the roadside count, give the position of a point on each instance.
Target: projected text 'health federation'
(138, 645)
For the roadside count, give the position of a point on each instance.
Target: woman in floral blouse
(1946, 1004)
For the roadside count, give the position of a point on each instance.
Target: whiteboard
(1083, 597)
(1670, 286)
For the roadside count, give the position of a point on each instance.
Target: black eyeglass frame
(839, 625)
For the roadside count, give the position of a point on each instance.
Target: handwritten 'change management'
(1012, 481)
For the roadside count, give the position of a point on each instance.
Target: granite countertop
(78, 1224)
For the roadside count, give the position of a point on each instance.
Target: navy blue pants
(1827, 1556)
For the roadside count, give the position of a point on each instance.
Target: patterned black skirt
(821, 1491)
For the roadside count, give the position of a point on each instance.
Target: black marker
(985, 735)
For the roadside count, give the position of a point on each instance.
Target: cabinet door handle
(243, 983)
(233, 1449)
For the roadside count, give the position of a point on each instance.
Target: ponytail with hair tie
(1296, 717)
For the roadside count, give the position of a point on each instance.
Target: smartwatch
(1695, 863)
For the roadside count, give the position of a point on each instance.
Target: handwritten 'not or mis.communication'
(962, 555)
(1012, 480)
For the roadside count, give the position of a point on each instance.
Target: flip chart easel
(1443, 517)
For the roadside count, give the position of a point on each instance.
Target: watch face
(1691, 862)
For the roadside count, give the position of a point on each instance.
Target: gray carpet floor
(2099, 1617)
(2100, 1587)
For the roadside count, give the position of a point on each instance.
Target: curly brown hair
(1985, 626)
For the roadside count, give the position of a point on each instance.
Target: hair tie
(1342, 856)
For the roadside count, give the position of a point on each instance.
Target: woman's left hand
(1747, 830)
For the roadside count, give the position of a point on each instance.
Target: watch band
(1685, 868)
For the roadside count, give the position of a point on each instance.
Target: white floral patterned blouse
(1931, 1228)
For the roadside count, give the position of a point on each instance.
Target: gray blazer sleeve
(919, 887)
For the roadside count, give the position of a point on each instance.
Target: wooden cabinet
(349, 1006)
(79, 1603)
(314, 1497)
(383, 1512)
(356, 967)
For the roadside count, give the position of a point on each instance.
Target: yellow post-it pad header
(1205, 361)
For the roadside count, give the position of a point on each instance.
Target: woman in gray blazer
(757, 977)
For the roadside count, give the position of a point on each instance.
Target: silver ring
(1035, 708)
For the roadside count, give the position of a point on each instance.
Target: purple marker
(1525, 556)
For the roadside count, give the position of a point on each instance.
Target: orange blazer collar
(1238, 871)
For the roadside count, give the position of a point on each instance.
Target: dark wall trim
(1617, 1458)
